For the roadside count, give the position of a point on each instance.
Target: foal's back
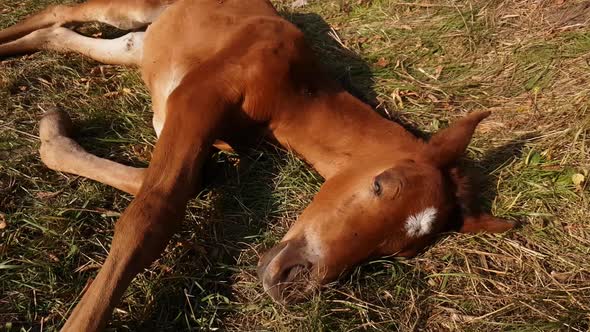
(192, 33)
(243, 43)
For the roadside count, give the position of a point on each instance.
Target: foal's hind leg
(61, 153)
(125, 50)
(123, 14)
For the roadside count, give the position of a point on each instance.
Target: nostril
(297, 272)
(287, 276)
(291, 284)
(271, 255)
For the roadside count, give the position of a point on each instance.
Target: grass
(422, 63)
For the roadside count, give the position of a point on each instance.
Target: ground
(423, 63)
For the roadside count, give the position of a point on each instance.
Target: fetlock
(54, 130)
(55, 124)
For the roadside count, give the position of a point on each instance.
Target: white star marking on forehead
(421, 223)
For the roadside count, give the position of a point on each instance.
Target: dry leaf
(561, 276)
(44, 81)
(383, 63)
(46, 195)
(578, 180)
(397, 99)
(108, 213)
(299, 3)
(490, 125)
(111, 94)
(3, 223)
(438, 71)
(87, 267)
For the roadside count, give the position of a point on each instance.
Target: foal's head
(389, 205)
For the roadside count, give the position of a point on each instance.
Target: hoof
(55, 124)
(54, 130)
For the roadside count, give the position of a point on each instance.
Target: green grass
(422, 63)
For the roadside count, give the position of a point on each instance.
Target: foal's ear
(470, 217)
(485, 223)
(449, 144)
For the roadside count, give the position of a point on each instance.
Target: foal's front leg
(147, 225)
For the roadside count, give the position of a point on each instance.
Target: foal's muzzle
(287, 276)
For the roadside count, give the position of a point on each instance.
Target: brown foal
(221, 72)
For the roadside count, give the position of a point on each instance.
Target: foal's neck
(336, 131)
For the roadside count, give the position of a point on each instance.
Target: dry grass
(422, 63)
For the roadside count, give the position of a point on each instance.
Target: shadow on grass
(347, 67)
(482, 182)
(242, 211)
